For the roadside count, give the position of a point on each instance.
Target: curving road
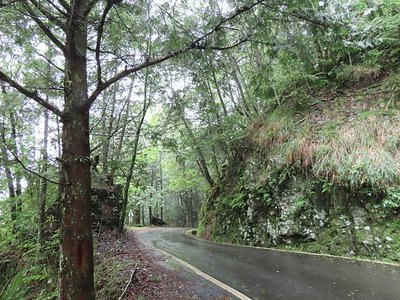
(270, 274)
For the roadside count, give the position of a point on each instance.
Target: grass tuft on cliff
(352, 140)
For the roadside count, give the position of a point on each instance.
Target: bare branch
(31, 94)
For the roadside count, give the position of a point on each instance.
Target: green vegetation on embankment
(322, 177)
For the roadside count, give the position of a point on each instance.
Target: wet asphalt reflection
(269, 274)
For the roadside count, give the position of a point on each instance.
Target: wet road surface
(269, 274)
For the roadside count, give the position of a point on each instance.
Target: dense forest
(260, 122)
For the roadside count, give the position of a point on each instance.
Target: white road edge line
(215, 281)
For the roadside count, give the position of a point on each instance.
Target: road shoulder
(175, 279)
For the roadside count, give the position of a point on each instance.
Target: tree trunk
(17, 173)
(43, 188)
(200, 156)
(76, 233)
(143, 214)
(136, 215)
(125, 118)
(146, 104)
(221, 99)
(107, 128)
(6, 165)
(150, 215)
(10, 182)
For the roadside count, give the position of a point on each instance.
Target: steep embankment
(322, 177)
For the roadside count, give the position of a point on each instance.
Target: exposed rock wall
(256, 204)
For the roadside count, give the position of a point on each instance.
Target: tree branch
(55, 20)
(31, 94)
(237, 13)
(64, 4)
(296, 15)
(50, 62)
(108, 137)
(59, 9)
(2, 4)
(172, 17)
(100, 31)
(116, 55)
(45, 29)
(91, 4)
(217, 48)
(135, 269)
(100, 88)
(194, 45)
(23, 165)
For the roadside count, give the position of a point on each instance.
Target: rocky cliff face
(296, 211)
(310, 193)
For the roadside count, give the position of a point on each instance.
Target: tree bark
(76, 232)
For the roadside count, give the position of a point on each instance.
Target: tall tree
(134, 151)
(10, 181)
(43, 184)
(201, 160)
(66, 24)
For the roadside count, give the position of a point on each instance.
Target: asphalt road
(270, 274)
